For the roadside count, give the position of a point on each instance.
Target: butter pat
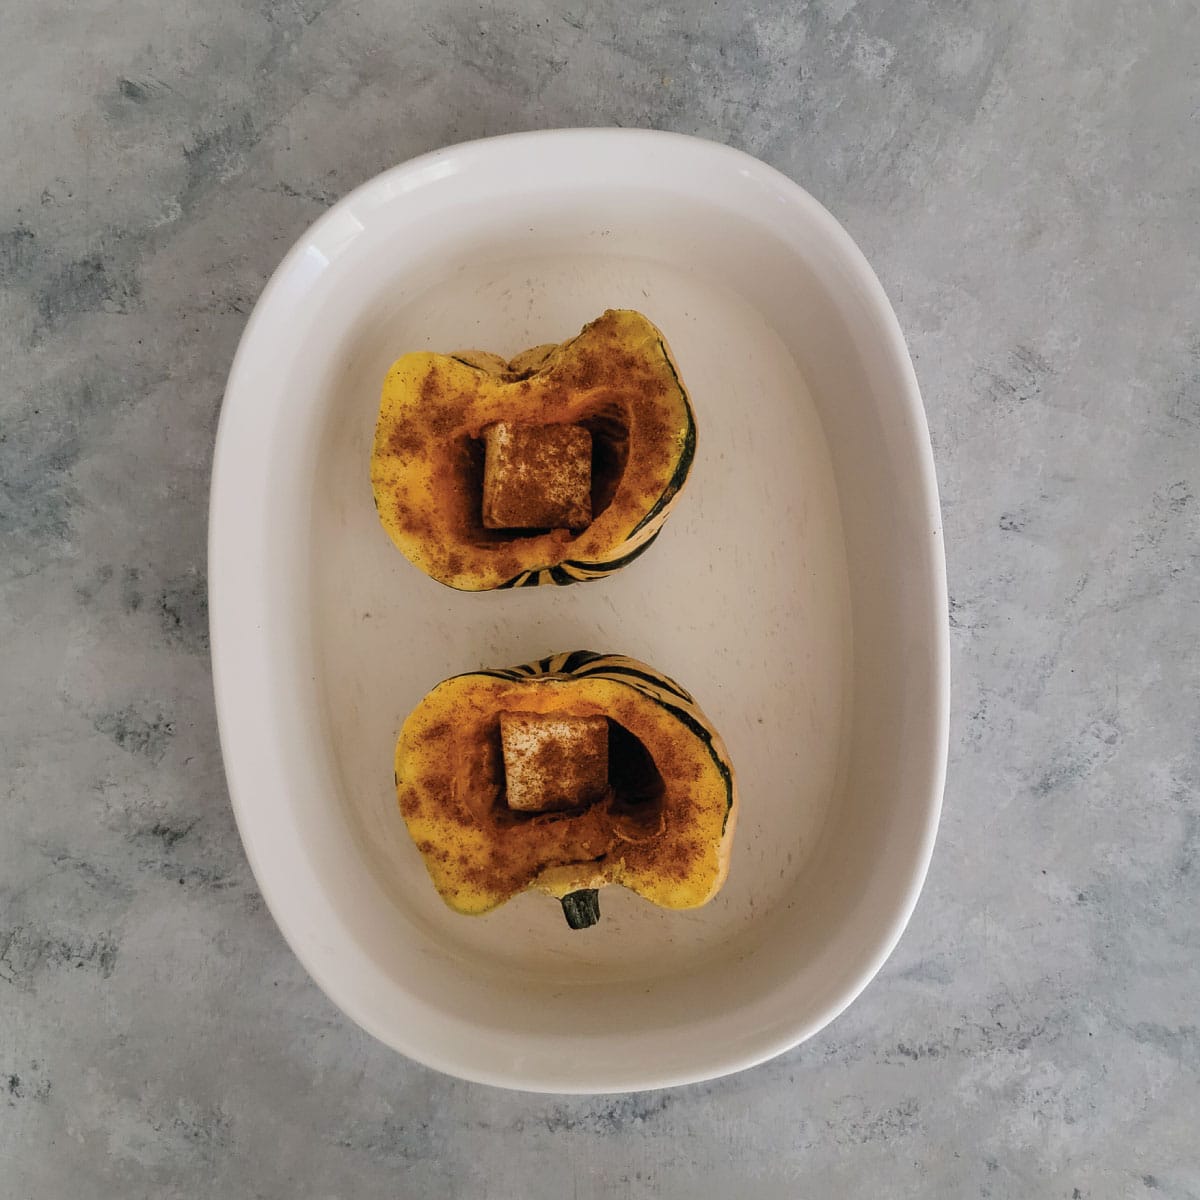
(537, 476)
(553, 762)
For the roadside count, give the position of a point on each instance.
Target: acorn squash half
(663, 826)
(616, 379)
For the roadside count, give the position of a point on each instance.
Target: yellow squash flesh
(616, 378)
(674, 850)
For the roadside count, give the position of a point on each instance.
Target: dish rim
(717, 1062)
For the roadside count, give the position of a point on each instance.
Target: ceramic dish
(798, 591)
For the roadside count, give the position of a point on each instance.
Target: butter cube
(537, 476)
(553, 762)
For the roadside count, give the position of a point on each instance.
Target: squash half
(616, 378)
(664, 829)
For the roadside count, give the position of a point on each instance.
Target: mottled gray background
(1024, 177)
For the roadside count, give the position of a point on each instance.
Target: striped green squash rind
(572, 571)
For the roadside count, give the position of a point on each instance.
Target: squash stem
(582, 908)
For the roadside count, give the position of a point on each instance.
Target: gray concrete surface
(1024, 177)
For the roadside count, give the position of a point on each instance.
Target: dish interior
(743, 599)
